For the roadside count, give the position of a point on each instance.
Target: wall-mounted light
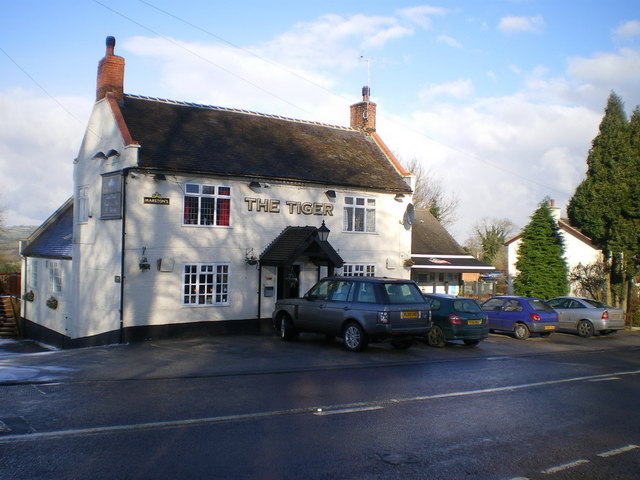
(99, 156)
(144, 264)
(254, 184)
(323, 232)
(330, 193)
(113, 153)
(158, 177)
(250, 257)
(399, 197)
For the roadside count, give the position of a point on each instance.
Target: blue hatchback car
(521, 316)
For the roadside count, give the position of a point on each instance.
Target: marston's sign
(272, 205)
(156, 199)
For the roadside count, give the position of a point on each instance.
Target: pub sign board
(156, 199)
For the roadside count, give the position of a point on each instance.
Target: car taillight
(455, 319)
(383, 317)
(535, 317)
(605, 315)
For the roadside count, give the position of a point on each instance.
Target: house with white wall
(578, 248)
(195, 219)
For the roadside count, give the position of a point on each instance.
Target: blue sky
(498, 100)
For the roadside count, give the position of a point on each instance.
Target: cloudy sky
(499, 99)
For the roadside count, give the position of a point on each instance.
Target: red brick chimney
(110, 73)
(363, 114)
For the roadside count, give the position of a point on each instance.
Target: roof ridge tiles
(237, 110)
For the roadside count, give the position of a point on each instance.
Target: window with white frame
(358, 270)
(83, 204)
(32, 272)
(111, 196)
(208, 205)
(55, 276)
(206, 284)
(359, 214)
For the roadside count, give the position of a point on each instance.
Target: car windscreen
(540, 306)
(466, 305)
(398, 293)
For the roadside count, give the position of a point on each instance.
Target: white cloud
(38, 144)
(521, 24)
(628, 30)
(447, 40)
(421, 15)
(333, 40)
(500, 156)
(233, 77)
(607, 68)
(603, 72)
(457, 89)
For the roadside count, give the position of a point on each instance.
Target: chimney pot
(110, 73)
(363, 114)
(111, 43)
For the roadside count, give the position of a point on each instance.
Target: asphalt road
(257, 408)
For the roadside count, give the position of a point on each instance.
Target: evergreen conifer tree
(605, 205)
(542, 268)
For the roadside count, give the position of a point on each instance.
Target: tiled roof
(432, 247)
(182, 137)
(429, 237)
(53, 239)
(295, 242)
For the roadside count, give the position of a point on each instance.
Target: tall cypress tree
(630, 223)
(542, 268)
(602, 205)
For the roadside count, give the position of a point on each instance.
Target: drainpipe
(259, 295)
(125, 173)
(25, 283)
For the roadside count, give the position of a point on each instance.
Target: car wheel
(354, 338)
(401, 344)
(585, 328)
(435, 337)
(471, 342)
(521, 331)
(287, 332)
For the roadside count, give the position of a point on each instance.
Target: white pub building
(193, 219)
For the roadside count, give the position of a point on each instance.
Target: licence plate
(474, 322)
(409, 315)
(549, 327)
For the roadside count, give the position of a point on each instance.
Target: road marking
(605, 379)
(618, 451)
(374, 405)
(565, 466)
(322, 411)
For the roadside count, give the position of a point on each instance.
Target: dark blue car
(521, 316)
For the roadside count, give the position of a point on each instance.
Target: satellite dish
(409, 215)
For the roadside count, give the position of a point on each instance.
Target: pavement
(28, 362)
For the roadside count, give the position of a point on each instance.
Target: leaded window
(206, 284)
(207, 205)
(359, 214)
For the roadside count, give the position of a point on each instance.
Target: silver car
(586, 316)
(358, 309)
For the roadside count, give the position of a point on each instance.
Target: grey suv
(358, 309)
